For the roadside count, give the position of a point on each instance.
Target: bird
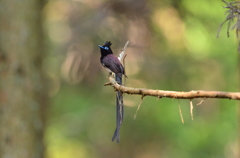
(112, 64)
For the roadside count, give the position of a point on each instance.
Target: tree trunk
(22, 87)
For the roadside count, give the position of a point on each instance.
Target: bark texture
(22, 88)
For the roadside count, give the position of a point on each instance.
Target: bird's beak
(100, 46)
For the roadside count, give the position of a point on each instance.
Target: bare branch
(233, 12)
(121, 55)
(124, 65)
(174, 94)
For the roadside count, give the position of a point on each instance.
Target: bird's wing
(111, 62)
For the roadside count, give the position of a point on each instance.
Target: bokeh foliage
(173, 46)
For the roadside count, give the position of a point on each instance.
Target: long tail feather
(120, 111)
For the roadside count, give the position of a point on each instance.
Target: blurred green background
(173, 46)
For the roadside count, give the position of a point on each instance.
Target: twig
(191, 109)
(107, 84)
(180, 112)
(220, 28)
(138, 107)
(201, 101)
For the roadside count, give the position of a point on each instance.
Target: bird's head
(106, 48)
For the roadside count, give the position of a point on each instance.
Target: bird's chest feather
(112, 63)
(106, 67)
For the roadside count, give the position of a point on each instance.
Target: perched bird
(112, 64)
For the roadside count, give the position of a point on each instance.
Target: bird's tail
(120, 110)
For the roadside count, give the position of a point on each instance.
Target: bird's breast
(106, 68)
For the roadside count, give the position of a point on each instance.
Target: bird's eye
(106, 48)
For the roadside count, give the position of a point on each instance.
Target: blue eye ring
(106, 48)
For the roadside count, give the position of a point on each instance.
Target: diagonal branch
(173, 94)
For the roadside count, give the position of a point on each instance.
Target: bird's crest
(107, 44)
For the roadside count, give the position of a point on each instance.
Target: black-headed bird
(112, 64)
